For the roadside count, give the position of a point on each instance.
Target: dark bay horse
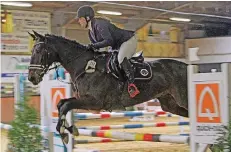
(99, 90)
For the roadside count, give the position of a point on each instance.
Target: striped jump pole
(135, 136)
(8, 127)
(119, 115)
(103, 140)
(84, 150)
(5, 126)
(132, 126)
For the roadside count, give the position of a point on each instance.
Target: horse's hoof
(65, 137)
(75, 131)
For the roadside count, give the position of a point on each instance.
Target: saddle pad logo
(56, 95)
(144, 72)
(208, 103)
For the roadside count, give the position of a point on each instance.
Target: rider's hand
(90, 47)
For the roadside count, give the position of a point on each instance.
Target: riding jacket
(105, 34)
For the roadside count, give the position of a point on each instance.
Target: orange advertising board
(56, 95)
(208, 103)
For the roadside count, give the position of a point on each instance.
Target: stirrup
(133, 92)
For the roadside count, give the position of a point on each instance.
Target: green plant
(23, 137)
(224, 141)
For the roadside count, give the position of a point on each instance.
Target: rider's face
(82, 21)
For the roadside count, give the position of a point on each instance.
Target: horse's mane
(71, 43)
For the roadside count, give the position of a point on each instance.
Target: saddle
(142, 70)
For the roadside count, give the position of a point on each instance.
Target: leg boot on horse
(63, 124)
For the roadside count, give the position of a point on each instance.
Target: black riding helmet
(85, 11)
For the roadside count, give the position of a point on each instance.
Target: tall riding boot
(127, 67)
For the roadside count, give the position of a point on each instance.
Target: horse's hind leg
(169, 104)
(85, 102)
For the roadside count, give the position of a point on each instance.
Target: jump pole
(135, 136)
(132, 126)
(119, 115)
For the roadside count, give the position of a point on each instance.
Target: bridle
(44, 66)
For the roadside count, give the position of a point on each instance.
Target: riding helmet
(85, 11)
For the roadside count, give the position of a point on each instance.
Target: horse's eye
(38, 48)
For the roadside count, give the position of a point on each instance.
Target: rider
(103, 33)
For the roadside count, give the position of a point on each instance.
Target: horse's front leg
(85, 102)
(61, 102)
(63, 123)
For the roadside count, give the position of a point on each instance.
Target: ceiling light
(108, 12)
(180, 19)
(19, 4)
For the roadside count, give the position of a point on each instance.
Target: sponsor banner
(14, 64)
(14, 31)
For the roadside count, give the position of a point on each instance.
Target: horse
(95, 79)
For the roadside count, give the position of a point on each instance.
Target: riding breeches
(127, 49)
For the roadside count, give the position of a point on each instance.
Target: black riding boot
(127, 67)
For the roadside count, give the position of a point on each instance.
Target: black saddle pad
(143, 71)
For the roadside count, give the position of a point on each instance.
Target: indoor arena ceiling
(137, 13)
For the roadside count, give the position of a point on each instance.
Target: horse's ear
(38, 35)
(32, 35)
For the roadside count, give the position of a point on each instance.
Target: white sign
(208, 108)
(209, 105)
(14, 35)
(51, 93)
(14, 64)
